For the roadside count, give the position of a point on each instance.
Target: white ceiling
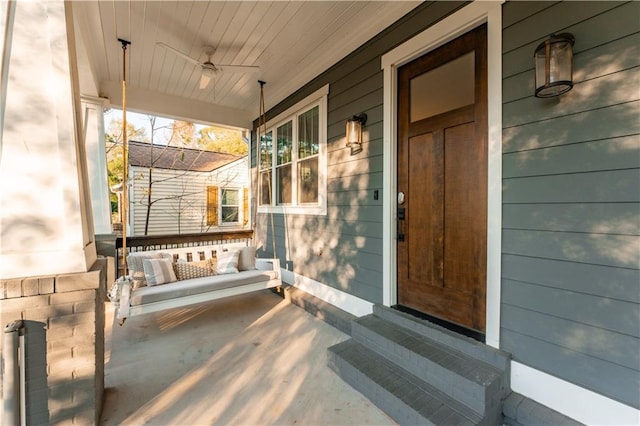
(291, 41)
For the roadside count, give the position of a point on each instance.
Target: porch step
(468, 377)
(398, 393)
(471, 347)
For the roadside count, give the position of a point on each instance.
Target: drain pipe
(13, 374)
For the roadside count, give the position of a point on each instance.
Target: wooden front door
(442, 182)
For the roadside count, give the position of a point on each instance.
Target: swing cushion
(200, 285)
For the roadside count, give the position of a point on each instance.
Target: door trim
(462, 21)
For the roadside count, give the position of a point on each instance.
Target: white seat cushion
(194, 286)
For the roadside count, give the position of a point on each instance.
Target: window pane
(230, 214)
(265, 188)
(308, 181)
(230, 197)
(266, 150)
(283, 183)
(309, 133)
(448, 87)
(285, 142)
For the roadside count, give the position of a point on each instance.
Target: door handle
(401, 218)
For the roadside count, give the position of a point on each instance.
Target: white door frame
(462, 21)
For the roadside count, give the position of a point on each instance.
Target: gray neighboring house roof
(143, 154)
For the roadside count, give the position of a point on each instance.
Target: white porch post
(94, 142)
(46, 225)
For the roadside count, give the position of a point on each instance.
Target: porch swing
(178, 277)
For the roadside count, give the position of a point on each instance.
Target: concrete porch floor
(253, 359)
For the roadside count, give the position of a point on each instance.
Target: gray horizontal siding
(599, 249)
(351, 232)
(617, 382)
(618, 348)
(617, 316)
(521, 85)
(613, 20)
(179, 198)
(600, 281)
(617, 186)
(605, 123)
(610, 89)
(593, 156)
(598, 218)
(571, 194)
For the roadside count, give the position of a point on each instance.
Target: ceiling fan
(208, 68)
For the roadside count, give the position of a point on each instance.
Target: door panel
(426, 153)
(442, 169)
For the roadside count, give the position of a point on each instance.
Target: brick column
(65, 329)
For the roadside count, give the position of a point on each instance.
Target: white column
(93, 126)
(46, 225)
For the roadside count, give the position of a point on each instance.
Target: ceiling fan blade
(177, 52)
(238, 68)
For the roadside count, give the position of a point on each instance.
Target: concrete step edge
(405, 398)
(473, 348)
(476, 384)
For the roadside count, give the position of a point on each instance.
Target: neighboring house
(191, 190)
(535, 230)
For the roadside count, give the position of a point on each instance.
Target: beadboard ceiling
(291, 41)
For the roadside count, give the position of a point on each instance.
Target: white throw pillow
(247, 259)
(227, 261)
(158, 271)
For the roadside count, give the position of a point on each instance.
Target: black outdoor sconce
(354, 132)
(554, 65)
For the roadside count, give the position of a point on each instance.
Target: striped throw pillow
(227, 262)
(158, 271)
(136, 268)
(188, 270)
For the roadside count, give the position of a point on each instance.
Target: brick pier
(64, 340)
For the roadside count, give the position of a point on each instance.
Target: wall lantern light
(554, 65)
(354, 132)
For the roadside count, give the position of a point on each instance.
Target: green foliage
(113, 144)
(222, 140)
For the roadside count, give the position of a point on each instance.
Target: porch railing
(159, 242)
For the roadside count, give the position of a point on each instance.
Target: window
(230, 206)
(227, 206)
(292, 168)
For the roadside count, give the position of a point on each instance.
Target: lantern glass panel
(554, 66)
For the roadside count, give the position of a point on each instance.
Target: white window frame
(221, 190)
(318, 98)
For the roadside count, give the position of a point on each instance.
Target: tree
(183, 134)
(113, 145)
(222, 140)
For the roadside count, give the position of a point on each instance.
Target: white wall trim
(444, 31)
(571, 400)
(345, 301)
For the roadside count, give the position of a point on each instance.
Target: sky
(142, 121)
